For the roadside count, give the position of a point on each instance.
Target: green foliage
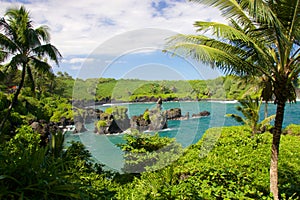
(148, 152)
(118, 112)
(56, 145)
(250, 109)
(25, 47)
(101, 123)
(63, 109)
(227, 163)
(292, 129)
(29, 171)
(24, 141)
(230, 87)
(4, 102)
(146, 115)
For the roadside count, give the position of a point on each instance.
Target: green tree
(261, 38)
(146, 152)
(26, 46)
(250, 109)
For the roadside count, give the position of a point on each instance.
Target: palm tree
(250, 109)
(261, 38)
(26, 46)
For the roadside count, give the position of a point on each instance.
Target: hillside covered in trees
(111, 90)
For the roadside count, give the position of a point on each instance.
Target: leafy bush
(62, 110)
(4, 102)
(29, 171)
(148, 152)
(292, 129)
(235, 168)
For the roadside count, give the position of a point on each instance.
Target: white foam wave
(229, 101)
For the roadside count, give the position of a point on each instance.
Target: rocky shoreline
(144, 99)
(115, 121)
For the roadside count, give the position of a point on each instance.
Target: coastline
(110, 102)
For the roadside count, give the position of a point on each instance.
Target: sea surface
(186, 132)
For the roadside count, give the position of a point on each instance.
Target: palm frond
(221, 30)
(15, 62)
(32, 38)
(260, 11)
(7, 29)
(48, 50)
(214, 55)
(236, 117)
(7, 44)
(237, 37)
(41, 66)
(43, 33)
(267, 121)
(229, 8)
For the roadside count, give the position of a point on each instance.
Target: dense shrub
(29, 171)
(146, 152)
(293, 129)
(235, 168)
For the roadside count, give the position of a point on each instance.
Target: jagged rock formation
(113, 121)
(154, 119)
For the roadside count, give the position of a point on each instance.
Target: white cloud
(79, 27)
(80, 60)
(77, 60)
(115, 62)
(75, 67)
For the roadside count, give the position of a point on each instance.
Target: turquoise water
(186, 132)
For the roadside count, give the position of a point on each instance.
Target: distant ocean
(186, 132)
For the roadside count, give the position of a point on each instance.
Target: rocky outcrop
(152, 120)
(45, 129)
(158, 119)
(175, 114)
(115, 122)
(201, 114)
(141, 122)
(79, 124)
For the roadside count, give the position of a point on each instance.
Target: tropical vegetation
(26, 47)
(227, 163)
(260, 39)
(250, 108)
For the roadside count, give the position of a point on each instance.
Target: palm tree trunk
(275, 150)
(15, 98)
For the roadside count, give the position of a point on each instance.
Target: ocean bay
(186, 132)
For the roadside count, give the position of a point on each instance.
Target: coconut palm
(250, 109)
(261, 38)
(26, 47)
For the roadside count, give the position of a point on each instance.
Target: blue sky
(120, 38)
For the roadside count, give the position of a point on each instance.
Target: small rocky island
(115, 119)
